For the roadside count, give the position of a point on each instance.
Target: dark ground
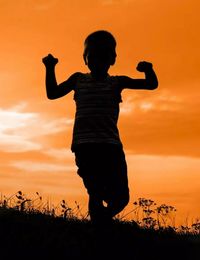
(38, 236)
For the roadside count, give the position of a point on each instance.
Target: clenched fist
(50, 61)
(144, 66)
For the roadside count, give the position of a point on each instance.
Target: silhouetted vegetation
(32, 228)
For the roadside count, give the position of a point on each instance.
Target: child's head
(99, 51)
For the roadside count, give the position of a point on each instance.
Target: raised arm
(54, 90)
(149, 82)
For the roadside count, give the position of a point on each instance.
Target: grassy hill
(35, 235)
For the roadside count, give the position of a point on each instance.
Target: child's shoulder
(77, 74)
(80, 75)
(76, 77)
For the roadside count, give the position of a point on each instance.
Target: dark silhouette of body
(96, 143)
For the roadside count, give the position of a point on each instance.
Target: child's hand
(144, 66)
(50, 61)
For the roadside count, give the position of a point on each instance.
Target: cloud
(31, 166)
(60, 154)
(127, 106)
(161, 122)
(162, 165)
(146, 106)
(19, 128)
(17, 144)
(163, 101)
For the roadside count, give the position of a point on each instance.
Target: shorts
(103, 169)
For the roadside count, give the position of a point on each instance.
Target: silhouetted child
(96, 143)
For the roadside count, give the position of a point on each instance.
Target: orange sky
(159, 129)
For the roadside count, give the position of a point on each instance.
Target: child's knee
(121, 201)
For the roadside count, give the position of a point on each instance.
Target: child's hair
(100, 39)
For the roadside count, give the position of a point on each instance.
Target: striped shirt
(97, 110)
